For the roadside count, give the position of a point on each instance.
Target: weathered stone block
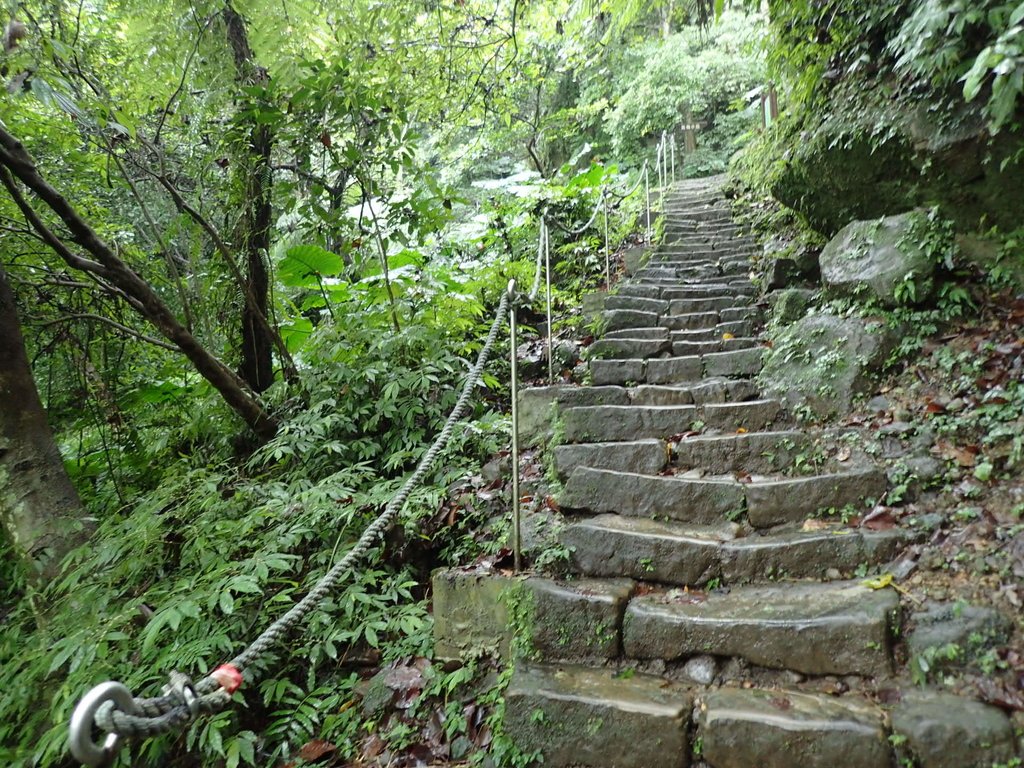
(600, 424)
(699, 502)
(787, 729)
(576, 619)
(471, 613)
(583, 717)
(946, 731)
(645, 457)
(774, 502)
(840, 628)
(612, 545)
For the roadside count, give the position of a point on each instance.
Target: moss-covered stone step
(645, 457)
(686, 348)
(618, 348)
(840, 628)
(706, 391)
(479, 610)
(751, 452)
(710, 499)
(744, 363)
(760, 728)
(575, 716)
(617, 423)
(638, 303)
(736, 328)
(688, 555)
(618, 319)
(653, 332)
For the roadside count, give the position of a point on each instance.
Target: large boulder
(822, 361)
(864, 154)
(883, 259)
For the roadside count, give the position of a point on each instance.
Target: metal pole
(673, 140)
(545, 235)
(516, 546)
(607, 246)
(647, 193)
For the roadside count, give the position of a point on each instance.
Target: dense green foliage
(391, 143)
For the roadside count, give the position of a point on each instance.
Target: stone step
(645, 457)
(634, 287)
(761, 728)
(617, 423)
(750, 452)
(690, 322)
(700, 291)
(708, 304)
(654, 332)
(576, 716)
(840, 628)
(635, 303)
(618, 319)
(687, 555)
(793, 500)
(685, 348)
(740, 363)
(612, 348)
(738, 329)
(706, 391)
(709, 499)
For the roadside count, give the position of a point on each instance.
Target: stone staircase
(707, 623)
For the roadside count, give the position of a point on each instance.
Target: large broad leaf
(296, 332)
(304, 265)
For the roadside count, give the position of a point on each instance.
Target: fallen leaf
(313, 750)
(879, 520)
(727, 337)
(780, 702)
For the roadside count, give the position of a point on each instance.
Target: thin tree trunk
(257, 367)
(39, 507)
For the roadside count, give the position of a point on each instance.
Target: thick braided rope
(164, 713)
(591, 220)
(632, 189)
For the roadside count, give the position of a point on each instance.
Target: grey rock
(538, 406)
(701, 669)
(786, 729)
(941, 624)
(699, 502)
(584, 717)
(824, 360)
(797, 555)
(878, 404)
(627, 348)
(790, 305)
(837, 628)
(673, 369)
(470, 613)
(610, 423)
(946, 731)
(752, 452)
(612, 545)
(618, 371)
(691, 322)
(740, 362)
(645, 457)
(616, 319)
(576, 619)
(793, 500)
(876, 256)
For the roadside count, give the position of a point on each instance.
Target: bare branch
(114, 324)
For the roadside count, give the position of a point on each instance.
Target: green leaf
(304, 265)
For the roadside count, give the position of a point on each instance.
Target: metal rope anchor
(80, 739)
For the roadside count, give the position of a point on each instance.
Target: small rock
(940, 624)
(929, 521)
(945, 731)
(956, 404)
(701, 669)
(879, 404)
(896, 428)
(833, 574)
(925, 468)
(495, 469)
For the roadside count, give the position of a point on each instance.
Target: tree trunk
(257, 366)
(39, 507)
(122, 280)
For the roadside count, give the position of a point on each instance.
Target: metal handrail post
(647, 193)
(516, 530)
(607, 245)
(545, 244)
(673, 141)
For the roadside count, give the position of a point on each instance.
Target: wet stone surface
(784, 729)
(583, 717)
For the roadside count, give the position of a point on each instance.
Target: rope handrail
(112, 707)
